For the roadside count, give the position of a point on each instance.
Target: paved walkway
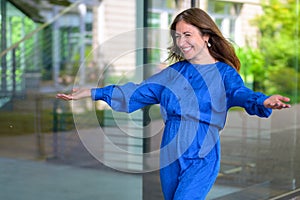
(260, 159)
(31, 180)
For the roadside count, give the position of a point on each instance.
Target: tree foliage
(278, 47)
(279, 28)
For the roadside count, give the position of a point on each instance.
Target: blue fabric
(194, 102)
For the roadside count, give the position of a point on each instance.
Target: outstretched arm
(75, 95)
(277, 102)
(124, 98)
(255, 103)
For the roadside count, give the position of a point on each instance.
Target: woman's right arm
(130, 96)
(124, 98)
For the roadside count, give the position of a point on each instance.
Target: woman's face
(191, 42)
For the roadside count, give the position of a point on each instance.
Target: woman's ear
(205, 37)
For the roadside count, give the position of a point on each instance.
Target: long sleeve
(239, 95)
(130, 96)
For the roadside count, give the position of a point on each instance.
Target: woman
(195, 94)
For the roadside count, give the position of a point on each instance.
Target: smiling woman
(195, 94)
(201, 27)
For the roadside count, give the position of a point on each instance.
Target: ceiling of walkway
(32, 8)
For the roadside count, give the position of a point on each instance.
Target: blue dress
(194, 101)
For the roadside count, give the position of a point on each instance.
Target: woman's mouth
(186, 49)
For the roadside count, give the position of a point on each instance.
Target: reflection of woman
(195, 94)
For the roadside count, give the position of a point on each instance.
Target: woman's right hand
(75, 95)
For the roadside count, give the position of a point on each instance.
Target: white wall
(119, 19)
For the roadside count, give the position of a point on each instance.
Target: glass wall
(259, 155)
(46, 147)
(53, 149)
(15, 25)
(259, 159)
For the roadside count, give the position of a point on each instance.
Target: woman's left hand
(277, 102)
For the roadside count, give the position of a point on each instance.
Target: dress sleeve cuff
(96, 93)
(260, 101)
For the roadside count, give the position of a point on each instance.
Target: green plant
(278, 46)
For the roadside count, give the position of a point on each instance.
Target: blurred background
(47, 146)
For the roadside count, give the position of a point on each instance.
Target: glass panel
(259, 155)
(160, 14)
(53, 149)
(83, 150)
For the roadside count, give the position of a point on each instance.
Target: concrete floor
(260, 160)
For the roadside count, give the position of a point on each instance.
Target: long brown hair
(221, 49)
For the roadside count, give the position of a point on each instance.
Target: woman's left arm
(255, 103)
